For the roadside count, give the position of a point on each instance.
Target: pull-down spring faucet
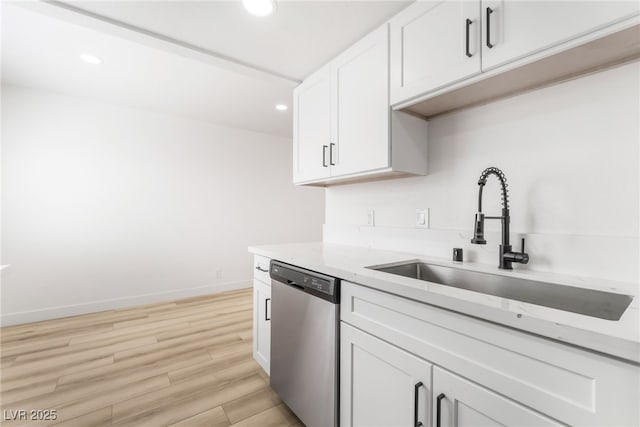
(507, 257)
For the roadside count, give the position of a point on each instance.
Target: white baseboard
(110, 304)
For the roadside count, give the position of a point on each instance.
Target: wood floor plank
(222, 318)
(222, 360)
(184, 363)
(250, 405)
(152, 328)
(35, 378)
(196, 402)
(177, 345)
(104, 343)
(62, 332)
(18, 348)
(101, 417)
(212, 418)
(153, 401)
(288, 415)
(19, 368)
(94, 402)
(27, 391)
(61, 396)
(239, 327)
(272, 417)
(219, 325)
(135, 367)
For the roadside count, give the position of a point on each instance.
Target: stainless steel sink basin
(604, 305)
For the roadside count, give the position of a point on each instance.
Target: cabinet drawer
(574, 386)
(261, 269)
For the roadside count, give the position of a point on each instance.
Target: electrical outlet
(422, 218)
(371, 217)
(218, 274)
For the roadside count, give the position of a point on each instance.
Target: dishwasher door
(304, 354)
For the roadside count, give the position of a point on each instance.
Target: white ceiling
(297, 39)
(205, 60)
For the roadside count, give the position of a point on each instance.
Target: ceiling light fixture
(281, 107)
(91, 59)
(259, 7)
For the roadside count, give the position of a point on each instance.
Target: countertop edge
(618, 347)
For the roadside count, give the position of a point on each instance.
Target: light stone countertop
(617, 338)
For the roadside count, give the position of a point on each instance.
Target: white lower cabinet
(475, 373)
(381, 385)
(261, 323)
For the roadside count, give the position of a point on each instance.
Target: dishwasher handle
(295, 285)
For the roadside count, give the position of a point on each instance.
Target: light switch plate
(422, 218)
(371, 217)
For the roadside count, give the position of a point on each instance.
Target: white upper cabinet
(516, 28)
(360, 131)
(450, 54)
(433, 43)
(344, 129)
(312, 127)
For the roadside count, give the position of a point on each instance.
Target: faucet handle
(524, 257)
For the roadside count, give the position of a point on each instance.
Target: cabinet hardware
(489, 12)
(438, 408)
(468, 24)
(416, 394)
(324, 156)
(266, 302)
(331, 145)
(262, 269)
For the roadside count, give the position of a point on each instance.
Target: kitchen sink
(593, 303)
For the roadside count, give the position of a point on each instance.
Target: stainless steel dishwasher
(304, 342)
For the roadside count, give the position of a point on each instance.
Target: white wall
(570, 153)
(107, 206)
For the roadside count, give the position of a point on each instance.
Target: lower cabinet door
(261, 324)
(380, 384)
(458, 402)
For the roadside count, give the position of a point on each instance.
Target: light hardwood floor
(186, 363)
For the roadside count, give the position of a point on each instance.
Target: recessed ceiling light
(91, 59)
(281, 107)
(259, 7)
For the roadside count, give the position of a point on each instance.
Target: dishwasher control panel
(318, 284)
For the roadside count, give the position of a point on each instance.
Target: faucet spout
(507, 257)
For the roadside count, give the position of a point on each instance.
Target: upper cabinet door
(312, 127)
(433, 43)
(361, 106)
(513, 29)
